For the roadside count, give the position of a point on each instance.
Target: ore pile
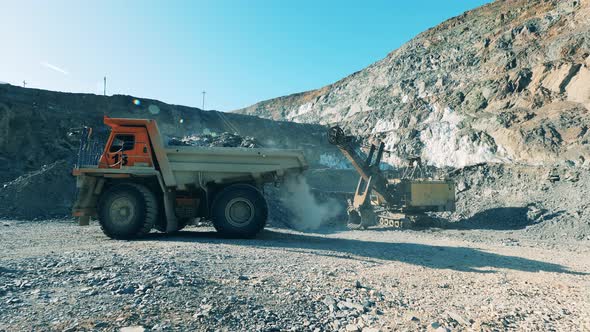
(45, 193)
(226, 140)
(545, 202)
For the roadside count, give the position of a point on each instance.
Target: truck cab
(126, 146)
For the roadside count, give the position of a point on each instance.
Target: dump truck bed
(219, 164)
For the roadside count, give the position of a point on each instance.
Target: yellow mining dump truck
(395, 202)
(135, 183)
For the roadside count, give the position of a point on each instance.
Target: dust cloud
(309, 212)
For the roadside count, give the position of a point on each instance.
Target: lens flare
(154, 109)
(181, 120)
(136, 102)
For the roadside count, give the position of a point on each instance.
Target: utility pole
(204, 92)
(24, 84)
(104, 91)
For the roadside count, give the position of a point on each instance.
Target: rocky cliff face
(507, 82)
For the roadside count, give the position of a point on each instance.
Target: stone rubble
(56, 275)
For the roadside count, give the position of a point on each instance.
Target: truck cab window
(122, 142)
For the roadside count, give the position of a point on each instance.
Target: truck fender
(168, 198)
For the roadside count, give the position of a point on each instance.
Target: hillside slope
(38, 127)
(507, 82)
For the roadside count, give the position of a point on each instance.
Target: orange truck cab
(126, 146)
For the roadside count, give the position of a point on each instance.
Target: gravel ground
(55, 275)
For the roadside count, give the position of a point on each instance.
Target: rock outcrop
(507, 82)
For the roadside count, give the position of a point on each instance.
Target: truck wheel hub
(122, 210)
(239, 211)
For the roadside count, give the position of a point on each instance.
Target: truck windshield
(122, 143)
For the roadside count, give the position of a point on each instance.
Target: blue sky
(240, 52)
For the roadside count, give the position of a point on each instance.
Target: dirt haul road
(55, 275)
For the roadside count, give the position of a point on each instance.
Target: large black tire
(239, 211)
(127, 211)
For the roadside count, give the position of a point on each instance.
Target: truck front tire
(127, 211)
(239, 211)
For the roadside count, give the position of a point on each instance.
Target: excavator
(397, 202)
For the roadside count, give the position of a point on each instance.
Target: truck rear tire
(127, 211)
(239, 211)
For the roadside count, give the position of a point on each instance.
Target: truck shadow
(431, 256)
(502, 218)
